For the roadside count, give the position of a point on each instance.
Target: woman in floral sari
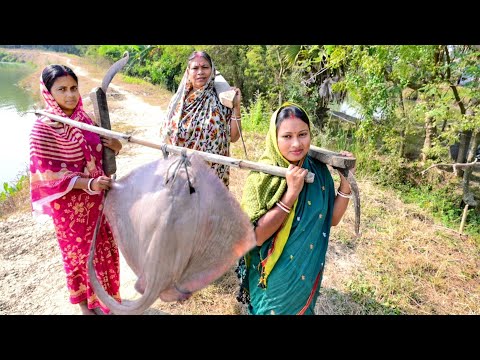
(292, 220)
(196, 119)
(67, 183)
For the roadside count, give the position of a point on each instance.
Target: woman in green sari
(292, 220)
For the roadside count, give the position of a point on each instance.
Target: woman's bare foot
(85, 310)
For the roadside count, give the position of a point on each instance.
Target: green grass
(134, 80)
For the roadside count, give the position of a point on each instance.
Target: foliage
(5, 57)
(14, 196)
(298, 93)
(364, 293)
(231, 62)
(444, 203)
(256, 117)
(395, 89)
(320, 68)
(115, 52)
(336, 136)
(157, 64)
(9, 189)
(254, 69)
(70, 49)
(170, 66)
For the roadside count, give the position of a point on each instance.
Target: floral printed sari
(59, 155)
(199, 121)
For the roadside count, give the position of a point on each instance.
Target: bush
(256, 117)
(16, 197)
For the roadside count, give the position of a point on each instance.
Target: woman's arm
(100, 183)
(236, 119)
(269, 223)
(341, 202)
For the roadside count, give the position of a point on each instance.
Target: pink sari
(59, 154)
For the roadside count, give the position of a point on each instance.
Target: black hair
(202, 54)
(289, 111)
(53, 72)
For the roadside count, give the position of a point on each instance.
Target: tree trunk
(468, 197)
(430, 133)
(465, 137)
(401, 150)
(444, 125)
(279, 77)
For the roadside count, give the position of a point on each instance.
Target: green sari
(283, 276)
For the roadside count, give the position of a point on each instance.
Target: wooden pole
(224, 160)
(464, 217)
(332, 158)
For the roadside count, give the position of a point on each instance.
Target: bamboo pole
(220, 159)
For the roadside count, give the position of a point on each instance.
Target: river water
(15, 128)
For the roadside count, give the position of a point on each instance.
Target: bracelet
(342, 194)
(282, 207)
(89, 185)
(234, 118)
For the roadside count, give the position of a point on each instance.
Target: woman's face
(65, 92)
(293, 138)
(199, 72)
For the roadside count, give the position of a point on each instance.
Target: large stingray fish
(178, 228)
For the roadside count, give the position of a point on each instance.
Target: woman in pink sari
(67, 182)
